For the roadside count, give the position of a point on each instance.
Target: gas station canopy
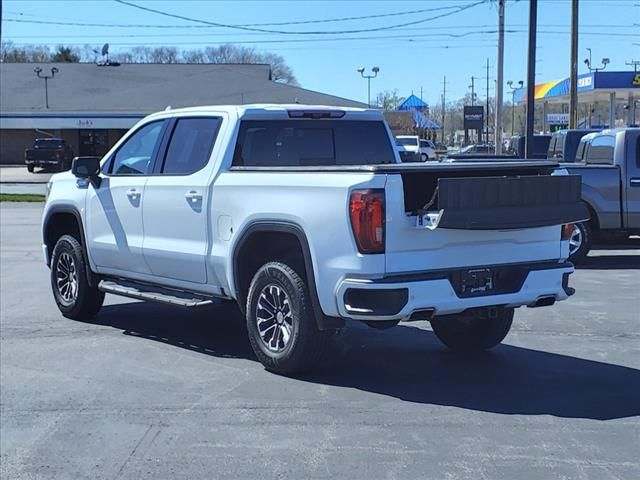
(592, 87)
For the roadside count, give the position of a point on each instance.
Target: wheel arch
(62, 220)
(244, 268)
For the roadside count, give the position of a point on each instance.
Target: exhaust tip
(423, 314)
(544, 302)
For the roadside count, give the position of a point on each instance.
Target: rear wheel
(580, 242)
(75, 298)
(473, 330)
(30, 168)
(280, 322)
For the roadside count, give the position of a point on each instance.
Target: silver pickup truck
(609, 163)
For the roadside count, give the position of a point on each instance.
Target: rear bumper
(400, 297)
(39, 163)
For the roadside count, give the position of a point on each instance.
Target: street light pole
(375, 71)
(587, 61)
(38, 71)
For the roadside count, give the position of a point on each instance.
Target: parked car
(427, 151)
(304, 217)
(478, 149)
(416, 150)
(48, 153)
(540, 146)
(609, 164)
(564, 143)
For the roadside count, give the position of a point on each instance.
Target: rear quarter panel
(601, 190)
(316, 202)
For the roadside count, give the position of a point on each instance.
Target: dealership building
(92, 106)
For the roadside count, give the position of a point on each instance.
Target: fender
(68, 209)
(324, 322)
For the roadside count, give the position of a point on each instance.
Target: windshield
(407, 141)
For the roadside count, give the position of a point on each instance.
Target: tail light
(366, 208)
(567, 231)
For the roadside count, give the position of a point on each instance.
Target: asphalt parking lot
(149, 391)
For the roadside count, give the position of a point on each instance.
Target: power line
(146, 25)
(284, 32)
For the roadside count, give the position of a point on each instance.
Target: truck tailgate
(462, 220)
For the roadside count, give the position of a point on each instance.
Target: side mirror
(87, 167)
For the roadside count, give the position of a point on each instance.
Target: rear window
(312, 143)
(407, 141)
(582, 147)
(601, 150)
(48, 143)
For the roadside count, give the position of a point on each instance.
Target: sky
(452, 38)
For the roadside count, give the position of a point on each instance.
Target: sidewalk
(19, 174)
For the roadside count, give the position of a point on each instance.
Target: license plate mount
(477, 282)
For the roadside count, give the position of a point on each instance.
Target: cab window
(135, 155)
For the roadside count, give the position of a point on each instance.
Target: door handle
(133, 193)
(193, 196)
(635, 182)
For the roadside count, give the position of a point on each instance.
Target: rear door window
(190, 145)
(312, 143)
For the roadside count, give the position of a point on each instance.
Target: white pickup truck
(305, 217)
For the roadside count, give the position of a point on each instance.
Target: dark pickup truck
(609, 163)
(48, 153)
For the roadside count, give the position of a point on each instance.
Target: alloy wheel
(67, 278)
(274, 318)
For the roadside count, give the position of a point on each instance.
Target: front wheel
(76, 299)
(473, 330)
(280, 322)
(30, 168)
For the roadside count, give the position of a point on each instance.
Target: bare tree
(388, 100)
(227, 53)
(10, 53)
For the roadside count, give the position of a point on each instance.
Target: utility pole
(487, 119)
(444, 104)
(531, 77)
(499, 77)
(573, 82)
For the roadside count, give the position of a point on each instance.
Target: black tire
(84, 301)
(30, 168)
(585, 236)
(306, 345)
(424, 157)
(472, 331)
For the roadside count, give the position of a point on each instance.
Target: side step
(153, 293)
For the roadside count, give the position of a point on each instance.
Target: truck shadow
(627, 261)
(410, 364)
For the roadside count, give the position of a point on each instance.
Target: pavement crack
(135, 449)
